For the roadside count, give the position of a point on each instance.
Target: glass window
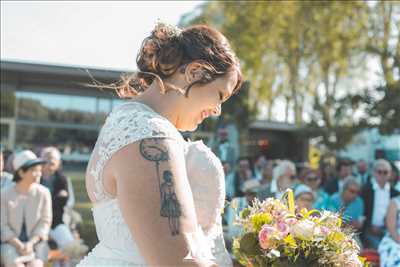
(56, 107)
(7, 104)
(75, 144)
(4, 133)
(116, 102)
(104, 108)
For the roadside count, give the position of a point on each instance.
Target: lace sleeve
(124, 126)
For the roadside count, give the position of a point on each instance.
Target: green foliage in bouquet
(274, 234)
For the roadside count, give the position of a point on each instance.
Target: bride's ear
(194, 71)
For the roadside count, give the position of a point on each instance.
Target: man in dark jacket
(376, 194)
(343, 171)
(56, 181)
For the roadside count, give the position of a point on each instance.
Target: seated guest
(266, 179)
(362, 172)
(5, 177)
(284, 177)
(243, 174)
(26, 214)
(229, 180)
(237, 204)
(336, 184)
(304, 197)
(349, 203)
(328, 171)
(56, 182)
(259, 165)
(377, 194)
(60, 190)
(395, 177)
(223, 148)
(313, 179)
(389, 248)
(229, 187)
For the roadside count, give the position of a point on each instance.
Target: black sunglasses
(382, 172)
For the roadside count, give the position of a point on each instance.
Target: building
(53, 105)
(370, 145)
(277, 140)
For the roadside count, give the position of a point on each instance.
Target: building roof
(273, 125)
(52, 69)
(51, 78)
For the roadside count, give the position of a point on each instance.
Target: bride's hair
(169, 49)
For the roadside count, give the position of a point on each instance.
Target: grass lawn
(83, 206)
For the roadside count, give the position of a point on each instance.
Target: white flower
(303, 229)
(273, 253)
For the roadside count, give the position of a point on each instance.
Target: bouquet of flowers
(274, 234)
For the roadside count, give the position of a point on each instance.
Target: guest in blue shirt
(349, 203)
(312, 178)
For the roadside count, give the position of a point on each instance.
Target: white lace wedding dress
(128, 123)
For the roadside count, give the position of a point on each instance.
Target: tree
(384, 43)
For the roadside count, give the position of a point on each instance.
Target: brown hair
(169, 49)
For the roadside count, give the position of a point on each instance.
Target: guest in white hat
(304, 197)
(26, 214)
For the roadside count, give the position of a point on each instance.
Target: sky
(102, 34)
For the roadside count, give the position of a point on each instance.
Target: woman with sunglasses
(312, 178)
(349, 203)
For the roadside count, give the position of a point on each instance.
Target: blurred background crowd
(366, 193)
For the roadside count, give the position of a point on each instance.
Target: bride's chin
(188, 128)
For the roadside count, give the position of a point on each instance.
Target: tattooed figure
(170, 207)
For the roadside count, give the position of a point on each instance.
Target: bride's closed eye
(221, 96)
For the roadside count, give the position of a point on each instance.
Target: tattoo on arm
(152, 150)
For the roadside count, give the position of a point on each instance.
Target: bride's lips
(203, 116)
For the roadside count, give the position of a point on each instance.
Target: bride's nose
(216, 111)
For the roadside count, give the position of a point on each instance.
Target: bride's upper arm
(155, 198)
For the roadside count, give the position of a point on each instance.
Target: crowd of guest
(367, 194)
(37, 200)
(36, 210)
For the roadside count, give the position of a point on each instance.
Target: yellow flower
(336, 237)
(258, 220)
(290, 242)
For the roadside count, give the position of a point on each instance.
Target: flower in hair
(164, 31)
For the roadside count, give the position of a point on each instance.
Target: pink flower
(264, 236)
(291, 221)
(283, 228)
(325, 230)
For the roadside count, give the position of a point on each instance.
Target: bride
(157, 200)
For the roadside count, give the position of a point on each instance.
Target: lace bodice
(129, 123)
(207, 181)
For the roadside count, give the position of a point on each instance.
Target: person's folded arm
(156, 201)
(7, 233)
(42, 228)
(391, 221)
